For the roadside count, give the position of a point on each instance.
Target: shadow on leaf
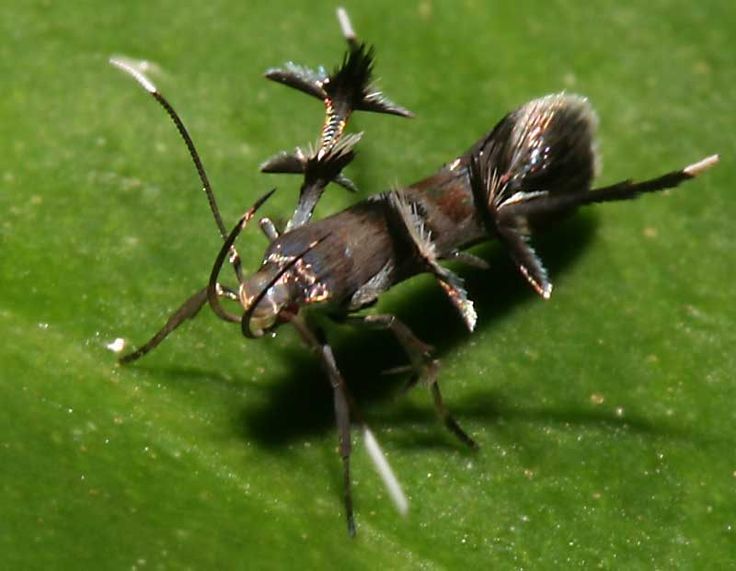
(301, 401)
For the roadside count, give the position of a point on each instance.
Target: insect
(538, 163)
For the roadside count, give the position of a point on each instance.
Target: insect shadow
(537, 163)
(299, 401)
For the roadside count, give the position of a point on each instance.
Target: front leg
(188, 310)
(344, 404)
(316, 341)
(424, 367)
(342, 418)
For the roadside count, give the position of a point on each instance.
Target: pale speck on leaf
(649, 232)
(117, 345)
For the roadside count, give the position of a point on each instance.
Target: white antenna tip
(345, 25)
(703, 165)
(385, 472)
(134, 69)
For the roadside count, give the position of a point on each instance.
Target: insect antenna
(345, 407)
(213, 287)
(129, 67)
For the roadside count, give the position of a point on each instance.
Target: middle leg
(314, 337)
(424, 367)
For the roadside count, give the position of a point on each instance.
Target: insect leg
(320, 168)
(317, 342)
(469, 259)
(228, 247)
(212, 293)
(191, 306)
(349, 88)
(543, 203)
(424, 366)
(346, 27)
(408, 225)
(188, 310)
(269, 228)
(511, 230)
(344, 407)
(509, 219)
(342, 417)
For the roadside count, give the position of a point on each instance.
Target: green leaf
(605, 416)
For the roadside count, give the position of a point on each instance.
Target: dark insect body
(538, 163)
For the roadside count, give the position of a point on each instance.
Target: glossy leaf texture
(605, 416)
